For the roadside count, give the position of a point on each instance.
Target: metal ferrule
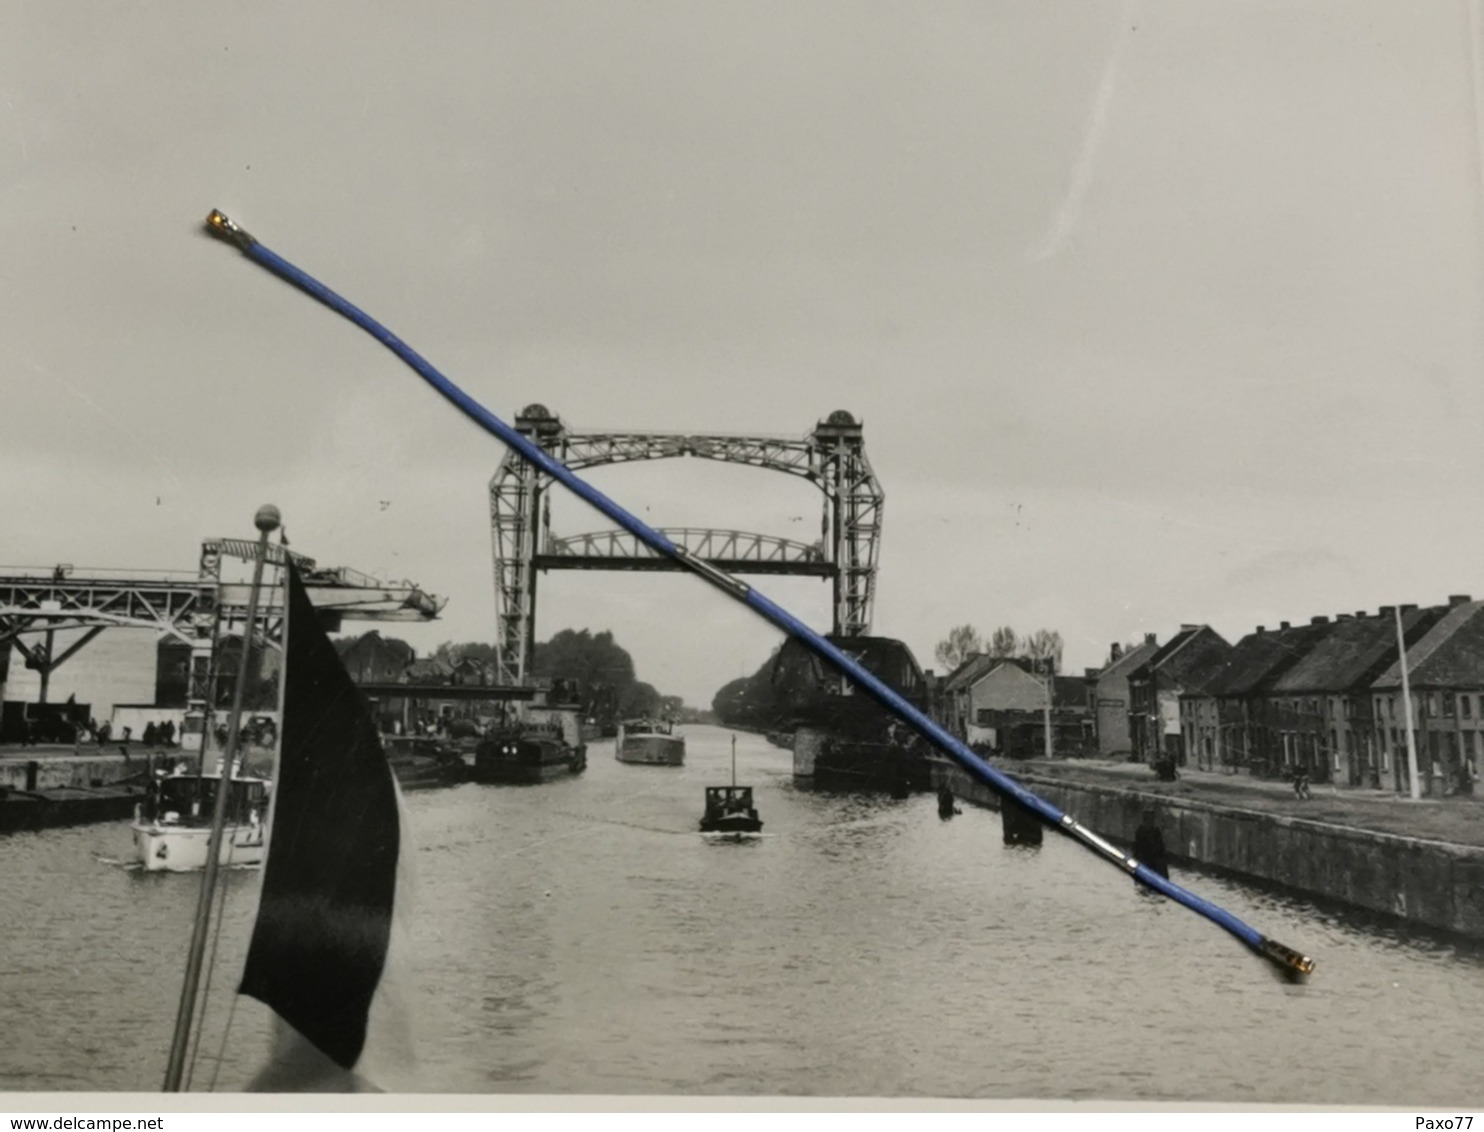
(1106, 848)
(221, 225)
(718, 578)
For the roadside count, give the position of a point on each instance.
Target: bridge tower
(832, 457)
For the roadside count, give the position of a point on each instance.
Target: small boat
(423, 762)
(172, 826)
(729, 809)
(652, 742)
(533, 753)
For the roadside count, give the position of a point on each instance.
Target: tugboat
(729, 809)
(652, 742)
(172, 826)
(546, 745)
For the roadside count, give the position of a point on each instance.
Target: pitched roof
(1194, 657)
(969, 671)
(1130, 660)
(1354, 652)
(1449, 655)
(430, 669)
(1260, 659)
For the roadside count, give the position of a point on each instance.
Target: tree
(1004, 642)
(452, 654)
(960, 644)
(639, 699)
(1044, 645)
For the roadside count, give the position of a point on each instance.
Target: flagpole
(266, 520)
(1290, 961)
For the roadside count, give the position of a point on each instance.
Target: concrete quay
(1420, 862)
(46, 786)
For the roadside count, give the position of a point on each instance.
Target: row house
(1188, 664)
(1445, 671)
(1318, 716)
(1220, 726)
(1110, 705)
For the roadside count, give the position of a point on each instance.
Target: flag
(330, 916)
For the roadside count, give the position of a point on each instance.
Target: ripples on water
(581, 937)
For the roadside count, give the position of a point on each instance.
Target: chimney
(1343, 617)
(1090, 673)
(1409, 609)
(1149, 638)
(1360, 614)
(1188, 628)
(1459, 599)
(1319, 621)
(1261, 629)
(1284, 625)
(1116, 652)
(1386, 611)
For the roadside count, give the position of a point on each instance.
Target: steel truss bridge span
(736, 552)
(832, 457)
(196, 609)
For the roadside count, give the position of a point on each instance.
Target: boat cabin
(188, 799)
(648, 727)
(726, 801)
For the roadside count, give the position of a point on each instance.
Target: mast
(1414, 786)
(266, 520)
(734, 762)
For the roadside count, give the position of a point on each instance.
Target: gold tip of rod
(221, 225)
(1287, 957)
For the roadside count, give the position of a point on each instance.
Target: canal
(581, 937)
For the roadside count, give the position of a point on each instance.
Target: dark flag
(325, 927)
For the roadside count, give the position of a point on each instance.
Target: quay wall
(1433, 883)
(68, 770)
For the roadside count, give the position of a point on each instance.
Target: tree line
(965, 641)
(597, 666)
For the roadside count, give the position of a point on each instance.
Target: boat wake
(616, 821)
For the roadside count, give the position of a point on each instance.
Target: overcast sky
(1156, 311)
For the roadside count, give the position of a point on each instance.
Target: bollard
(32, 769)
(1020, 827)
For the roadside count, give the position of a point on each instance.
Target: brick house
(1445, 669)
(1220, 726)
(1188, 663)
(1319, 715)
(1111, 696)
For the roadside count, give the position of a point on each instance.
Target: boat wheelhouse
(651, 742)
(172, 826)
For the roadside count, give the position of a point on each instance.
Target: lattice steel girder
(170, 605)
(737, 552)
(832, 457)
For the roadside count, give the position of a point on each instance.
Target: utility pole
(1050, 687)
(1401, 645)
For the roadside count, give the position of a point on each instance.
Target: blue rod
(1286, 958)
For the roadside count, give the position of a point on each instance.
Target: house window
(1466, 705)
(1447, 705)
(1391, 706)
(1432, 704)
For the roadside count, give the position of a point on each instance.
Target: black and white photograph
(848, 553)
